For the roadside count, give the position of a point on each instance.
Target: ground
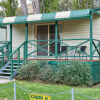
(57, 92)
(5, 81)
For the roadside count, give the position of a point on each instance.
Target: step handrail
(11, 57)
(17, 49)
(5, 44)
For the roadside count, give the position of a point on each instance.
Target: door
(52, 37)
(42, 34)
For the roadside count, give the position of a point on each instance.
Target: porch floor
(58, 60)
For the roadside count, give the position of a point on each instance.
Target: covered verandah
(54, 47)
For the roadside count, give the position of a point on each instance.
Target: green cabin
(61, 36)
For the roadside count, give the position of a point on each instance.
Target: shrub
(42, 63)
(45, 74)
(76, 73)
(28, 71)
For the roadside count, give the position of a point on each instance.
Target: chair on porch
(63, 49)
(82, 49)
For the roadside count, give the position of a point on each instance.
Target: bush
(29, 71)
(75, 73)
(45, 74)
(42, 63)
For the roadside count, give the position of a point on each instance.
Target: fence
(18, 92)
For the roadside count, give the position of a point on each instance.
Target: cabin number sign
(39, 97)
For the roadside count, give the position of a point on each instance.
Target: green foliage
(2, 14)
(64, 5)
(43, 63)
(10, 7)
(78, 4)
(82, 4)
(28, 71)
(47, 6)
(75, 73)
(45, 74)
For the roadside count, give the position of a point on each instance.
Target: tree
(24, 7)
(47, 6)
(96, 3)
(2, 14)
(82, 4)
(65, 5)
(10, 7)
(44, 6)
(36, 8)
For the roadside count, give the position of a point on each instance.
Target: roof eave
(62, 19)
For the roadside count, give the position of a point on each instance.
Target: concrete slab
(5, 81)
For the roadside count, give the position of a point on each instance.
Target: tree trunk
(24, 7)
(36, 8)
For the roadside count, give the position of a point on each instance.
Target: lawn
(64, 92)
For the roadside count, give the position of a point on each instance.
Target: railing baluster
(11, 67)
(19, 57)
(24, 52)
(2, 57)
(99, 49)
(8, 52)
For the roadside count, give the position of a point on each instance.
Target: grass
(46, 89)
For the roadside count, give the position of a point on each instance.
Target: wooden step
(5, 73)
(13, 66)
(8, 70)
(5, 77)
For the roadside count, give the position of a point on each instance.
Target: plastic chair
(63, 49)
(82, 49)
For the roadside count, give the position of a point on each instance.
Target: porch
(49, 44)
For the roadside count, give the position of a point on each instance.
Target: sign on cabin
(39, 97)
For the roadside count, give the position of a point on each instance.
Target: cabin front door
(42, 34)
(52, 37)
(46, 32)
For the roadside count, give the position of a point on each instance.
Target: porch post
(26, 39)
(10, 38)
(11, 52)
(91, 34)
(56, 40)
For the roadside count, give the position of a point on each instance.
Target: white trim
(64, 14)
(9, 20)
(34, 17)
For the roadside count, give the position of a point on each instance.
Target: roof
(46, 17)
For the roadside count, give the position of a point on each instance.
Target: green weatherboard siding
(21, 18)
(96, 71)
(48, 16)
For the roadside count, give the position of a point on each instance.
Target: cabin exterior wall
(71, 29)
(3, 34)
